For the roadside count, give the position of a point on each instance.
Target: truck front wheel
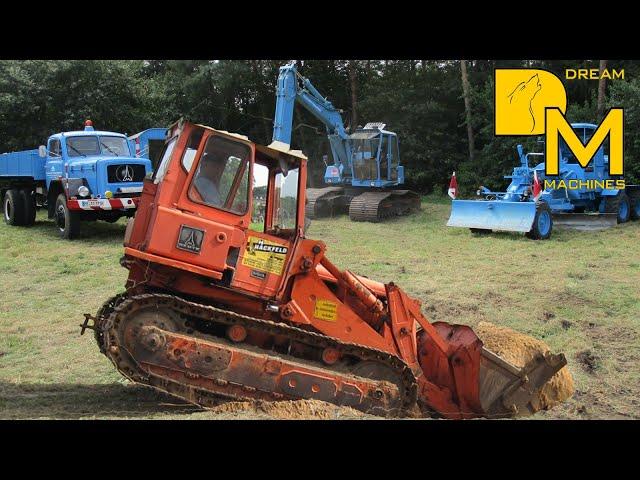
(68, 222)
(14, 207)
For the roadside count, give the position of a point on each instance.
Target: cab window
(164, 162)
(54, 148)
(286, 197)
(189, 154)
(222, 177)
(260, 185)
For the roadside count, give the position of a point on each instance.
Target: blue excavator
(366, 171)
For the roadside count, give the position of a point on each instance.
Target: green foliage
(419, 100)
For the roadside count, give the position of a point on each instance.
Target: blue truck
(598, 200)
(148, 144)
(78, 176)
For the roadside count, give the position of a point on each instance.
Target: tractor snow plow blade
(585, 221)
(492, 215)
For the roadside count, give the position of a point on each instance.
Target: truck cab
(78, 176)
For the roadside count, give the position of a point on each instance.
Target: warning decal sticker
(265, 256)
(326, 310)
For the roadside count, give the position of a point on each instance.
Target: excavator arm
(293, 87)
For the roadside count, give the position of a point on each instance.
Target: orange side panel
(261, 272)
(217, 240)
(172, 263)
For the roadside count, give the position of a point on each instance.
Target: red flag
(453, 186)
(536, 185)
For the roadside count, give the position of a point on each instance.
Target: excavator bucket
(492, 215)
(585, 221)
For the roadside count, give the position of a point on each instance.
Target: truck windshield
(94, 145)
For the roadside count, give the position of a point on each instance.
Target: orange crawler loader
(226, 297)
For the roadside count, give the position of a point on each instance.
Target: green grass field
(577, 291)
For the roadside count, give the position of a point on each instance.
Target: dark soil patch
(588, 361)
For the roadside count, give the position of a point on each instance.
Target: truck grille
(125, 173)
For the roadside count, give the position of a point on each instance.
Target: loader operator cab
(224, 206)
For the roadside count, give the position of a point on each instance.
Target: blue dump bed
(26, 163)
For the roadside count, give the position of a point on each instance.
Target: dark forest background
(442, 110)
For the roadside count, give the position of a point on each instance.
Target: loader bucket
(585, 221)
(492, 215)
(479, 382)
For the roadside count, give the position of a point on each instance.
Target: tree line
(442, 110)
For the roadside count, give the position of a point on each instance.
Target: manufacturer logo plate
(190, 239)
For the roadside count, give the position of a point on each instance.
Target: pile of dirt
(287, 410)
(519, 349)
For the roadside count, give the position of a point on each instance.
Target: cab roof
(274, 150)
(82, 133)
(584, 125)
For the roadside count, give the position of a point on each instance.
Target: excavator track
(376, 206)
(325, 202)
(182, 348)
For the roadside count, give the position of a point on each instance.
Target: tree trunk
(353, 82)
(602, 86)
(467, 108)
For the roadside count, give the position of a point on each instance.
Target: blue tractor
(366, 170)
(580, 198)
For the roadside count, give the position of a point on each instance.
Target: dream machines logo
(534, 102)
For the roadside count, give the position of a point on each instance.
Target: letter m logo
(557, 125)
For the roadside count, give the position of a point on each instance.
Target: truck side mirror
(42, 151)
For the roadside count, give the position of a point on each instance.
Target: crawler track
(180, 347)
(376, 206)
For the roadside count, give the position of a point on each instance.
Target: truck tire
(29, 205)
(619, 205)
(634, 200)
(13, 208)
(68, 222)
(542, 223)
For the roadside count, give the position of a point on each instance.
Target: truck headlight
(83, 191)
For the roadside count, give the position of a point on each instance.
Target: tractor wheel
(68, 222)
(14, 208)
(619, 205)
(480, 231)
(29, 204)
(542, 223)
(634, 200)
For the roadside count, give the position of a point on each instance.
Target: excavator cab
(375, 157)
